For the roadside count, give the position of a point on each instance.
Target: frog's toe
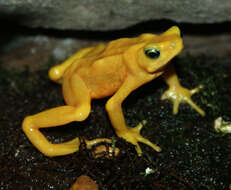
(138, 149)
(195, 90)
(149, 143)
(139, 126)
(144, 141)
(164, 96)
(176, 104)
(193, 105)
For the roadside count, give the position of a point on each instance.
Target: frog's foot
(178, 94)
(133, 136)
(93, 142)
(75, 143)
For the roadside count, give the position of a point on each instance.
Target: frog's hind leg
(58, 116)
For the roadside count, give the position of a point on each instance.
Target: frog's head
(159, 50)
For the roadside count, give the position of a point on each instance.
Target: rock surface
(39, 52)
(111, 15)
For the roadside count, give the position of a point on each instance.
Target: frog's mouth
(161, 69)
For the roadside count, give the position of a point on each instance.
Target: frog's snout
(176, 45)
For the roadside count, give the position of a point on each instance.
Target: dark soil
(194, 155)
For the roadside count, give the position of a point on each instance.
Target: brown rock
(84, 182)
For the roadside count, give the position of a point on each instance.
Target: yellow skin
(115, 70)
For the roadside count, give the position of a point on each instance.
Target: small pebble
(84, 182)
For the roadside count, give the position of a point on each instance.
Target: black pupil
(152, 53)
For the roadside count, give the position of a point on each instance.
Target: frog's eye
(152, 53)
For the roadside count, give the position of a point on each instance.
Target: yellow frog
(115, 70)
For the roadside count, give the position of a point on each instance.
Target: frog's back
(119, 46)
(112, 49)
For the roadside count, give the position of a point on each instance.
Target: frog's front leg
(178, 94)
(116, 116)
